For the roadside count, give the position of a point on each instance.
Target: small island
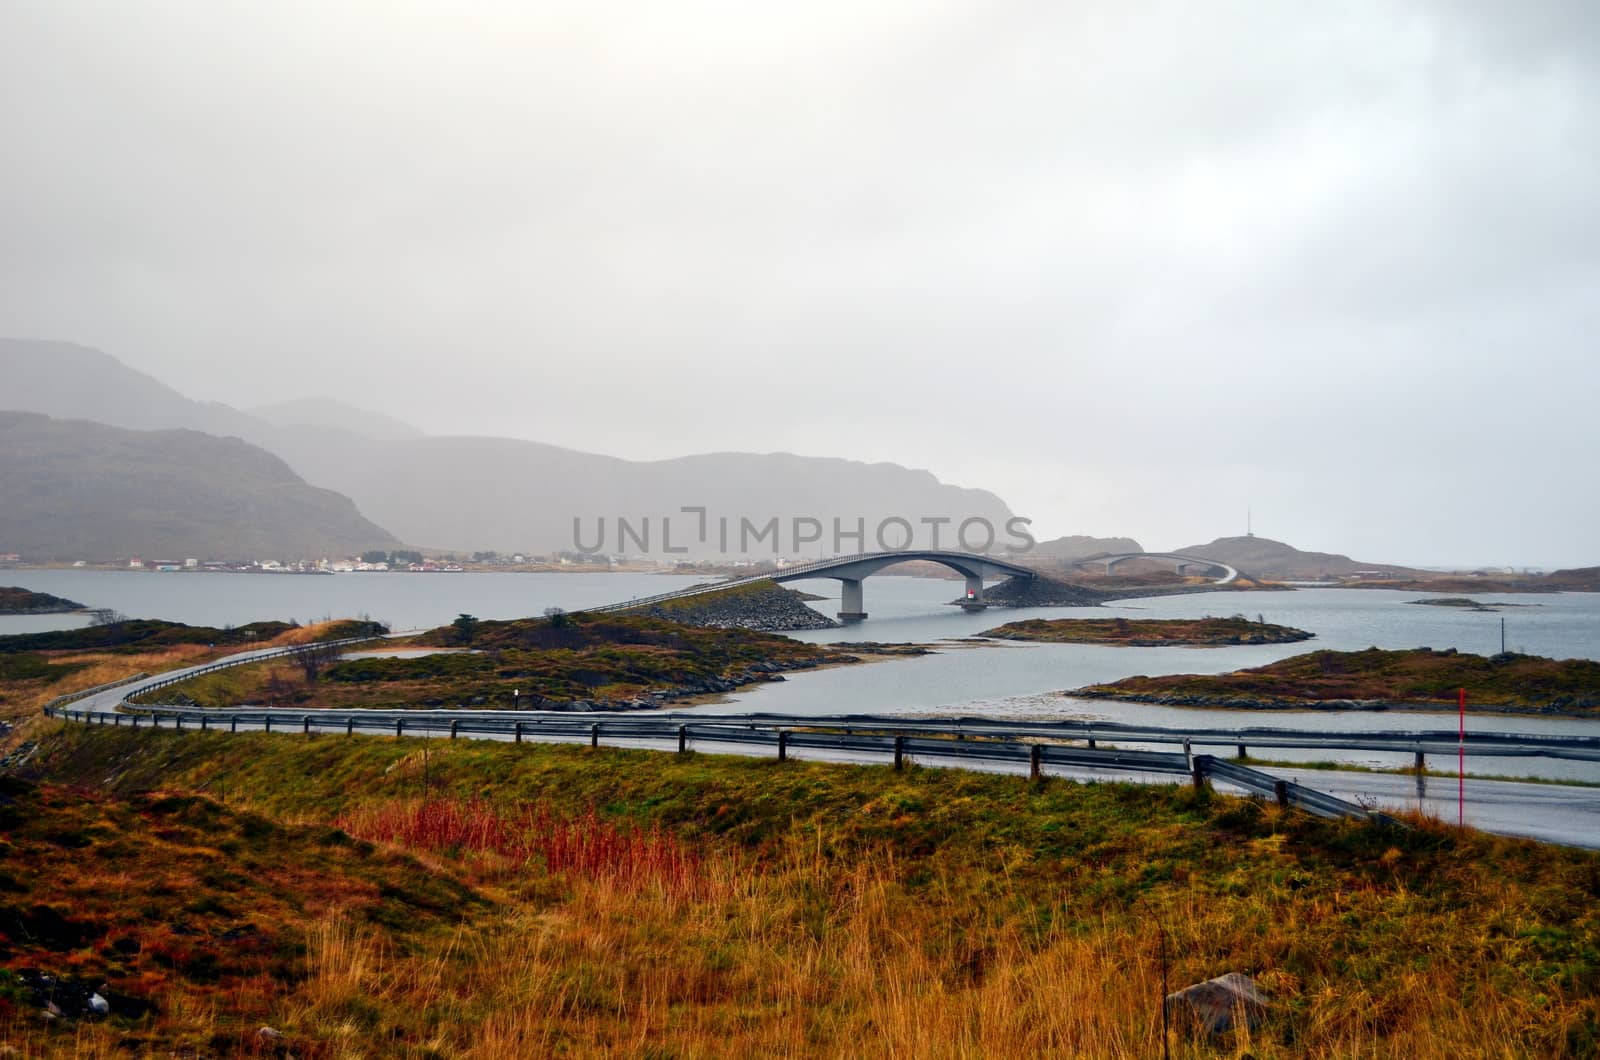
(1376, 679)
(15, 600)
(1148, 632)
(566, 662)
(1465, 603)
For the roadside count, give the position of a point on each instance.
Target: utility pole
(1461, 760)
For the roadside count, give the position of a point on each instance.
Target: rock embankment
(764, 605)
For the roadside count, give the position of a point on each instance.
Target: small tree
(466, 627)
(557, 616)
(313, 661)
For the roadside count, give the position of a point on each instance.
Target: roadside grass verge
(835, 909)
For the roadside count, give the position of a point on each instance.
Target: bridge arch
(850, 571)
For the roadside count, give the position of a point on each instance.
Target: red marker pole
(1461, 760)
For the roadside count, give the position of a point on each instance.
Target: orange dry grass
(840, 911)
(103, 668)
(302, 634)
(762, 970)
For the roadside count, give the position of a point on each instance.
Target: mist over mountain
(328, 414)
(79, 490)
(471, 493)
(69, 381)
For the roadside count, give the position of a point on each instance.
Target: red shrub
(588, 846)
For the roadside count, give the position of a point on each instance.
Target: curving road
(1229, 574)
(1550, 812)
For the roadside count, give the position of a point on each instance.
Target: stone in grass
(1217, 1005)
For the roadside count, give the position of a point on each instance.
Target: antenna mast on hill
(1249, 523)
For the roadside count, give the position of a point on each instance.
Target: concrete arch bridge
(851, 570)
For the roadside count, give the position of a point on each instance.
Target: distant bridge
(850, 571)
(1182, 564)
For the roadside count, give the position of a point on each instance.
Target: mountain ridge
(75, 489)
(470, 493)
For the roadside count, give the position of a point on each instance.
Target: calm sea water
(405, 601)
(963, 677)
(1030, 680)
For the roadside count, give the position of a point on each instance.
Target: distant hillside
(79, 490)
(326, 414)
(1577, 580)
(472, 493)
(1265, 558)
(68, 381)
(501, 493)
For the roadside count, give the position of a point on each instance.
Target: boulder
(1217, 1005)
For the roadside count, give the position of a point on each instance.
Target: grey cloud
(1041, 248)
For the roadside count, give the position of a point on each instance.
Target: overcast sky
(1133, 266)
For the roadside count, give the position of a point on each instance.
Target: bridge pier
(852, 602)
(973, 601)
